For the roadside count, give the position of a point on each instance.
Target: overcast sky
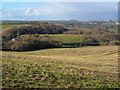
(60, 11)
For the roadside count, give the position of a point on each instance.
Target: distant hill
(108, 26)
(11, 21)
(34, 27)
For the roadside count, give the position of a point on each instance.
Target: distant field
(64, 38)
(5, 26)
(113, 30)
(85, 67)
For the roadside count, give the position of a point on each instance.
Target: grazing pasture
(63, 38)
(85, 67)
(5, 26)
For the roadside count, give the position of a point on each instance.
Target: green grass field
(5, 26)
(63, 38)
(85, 67)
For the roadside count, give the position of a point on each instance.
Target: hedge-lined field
(85, 67)
(66, 38)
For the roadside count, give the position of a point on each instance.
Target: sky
(82, 11)
(60, 0)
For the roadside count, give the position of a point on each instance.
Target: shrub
(89, 41)
(117, 43)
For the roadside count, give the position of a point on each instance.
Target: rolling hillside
(86, 67)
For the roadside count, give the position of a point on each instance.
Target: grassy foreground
(85, 67)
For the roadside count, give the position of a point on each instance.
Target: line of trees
(28, 44)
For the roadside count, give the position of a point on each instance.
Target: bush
(117, 43)
(89, 41)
